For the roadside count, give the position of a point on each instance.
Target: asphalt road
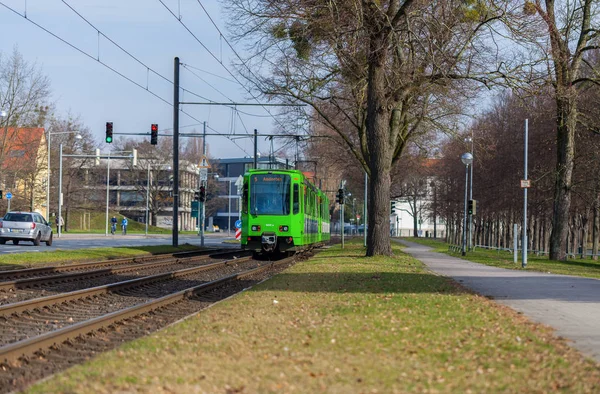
(84, 241)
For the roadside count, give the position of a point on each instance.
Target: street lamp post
(467, 159)
(470, 139)
(78, 136)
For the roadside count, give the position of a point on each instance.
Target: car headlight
(283, 229)
(255, 228)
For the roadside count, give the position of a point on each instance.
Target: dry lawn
(341, 323)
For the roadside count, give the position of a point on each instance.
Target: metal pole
(471, 198)
(342, 223)
(465, 216)
(176, 153)
(515, 243)
(365, 211)
(147, 198)
(107, 191)
(255, 148)
(524, 261)
(48, 183)
(59, 189)
(198, 219)
(202, 212)
(229, 214)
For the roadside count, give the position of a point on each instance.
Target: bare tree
(24, 90)
(375, 72)
(560, 37)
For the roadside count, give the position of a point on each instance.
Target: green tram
(282, 211)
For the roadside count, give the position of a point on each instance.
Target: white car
(25, 226)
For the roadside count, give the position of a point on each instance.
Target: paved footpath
(569, 304)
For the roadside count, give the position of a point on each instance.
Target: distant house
(23, 168)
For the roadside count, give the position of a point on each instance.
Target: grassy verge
(343, 323)
(27, 260)
(504, 259)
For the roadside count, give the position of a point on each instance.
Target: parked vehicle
(25, 226)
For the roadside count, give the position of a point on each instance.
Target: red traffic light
(154, 127)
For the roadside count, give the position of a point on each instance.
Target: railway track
(12, 291)
(42, 336)
(16, 274)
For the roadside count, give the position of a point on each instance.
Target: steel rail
(75, 267)
(27, 347)
(32, 282)
(36, 303)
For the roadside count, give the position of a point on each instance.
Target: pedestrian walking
(124, 225)
(113, 225)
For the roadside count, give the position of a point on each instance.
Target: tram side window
(296, 198)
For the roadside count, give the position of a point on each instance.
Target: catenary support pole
(524, 246)
(202, 183)
(255, 149)
(60, 150)
(176, 153)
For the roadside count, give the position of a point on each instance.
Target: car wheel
(37, 239)
(15, 241)
(49, 241)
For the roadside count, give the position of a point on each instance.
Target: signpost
(238, 224)
(8, 197)
(195, 209)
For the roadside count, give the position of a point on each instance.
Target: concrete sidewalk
(569, 304)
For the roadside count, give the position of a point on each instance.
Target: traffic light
(340, 196)
(1, 195)
(109, 132)
(197, 195)
(472, 207)
(392, 207)
(202, 196)
(154, 134)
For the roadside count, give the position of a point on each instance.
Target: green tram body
(282, 211)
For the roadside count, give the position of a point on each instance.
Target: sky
(147, 30)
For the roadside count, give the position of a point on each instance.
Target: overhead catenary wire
(114, 70)
(216, 58)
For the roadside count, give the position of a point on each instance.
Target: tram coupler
(269, 242)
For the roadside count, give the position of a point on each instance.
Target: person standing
(124, 225)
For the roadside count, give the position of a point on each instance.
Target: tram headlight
(283, 229)
(255, 227)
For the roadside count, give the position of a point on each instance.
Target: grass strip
(33, 259)
(504, 259)
(343, 323)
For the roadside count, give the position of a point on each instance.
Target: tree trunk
(567, 118)
(380, 158)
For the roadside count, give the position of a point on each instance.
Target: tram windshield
(270, 194)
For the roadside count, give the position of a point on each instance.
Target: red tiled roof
(20, 146)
